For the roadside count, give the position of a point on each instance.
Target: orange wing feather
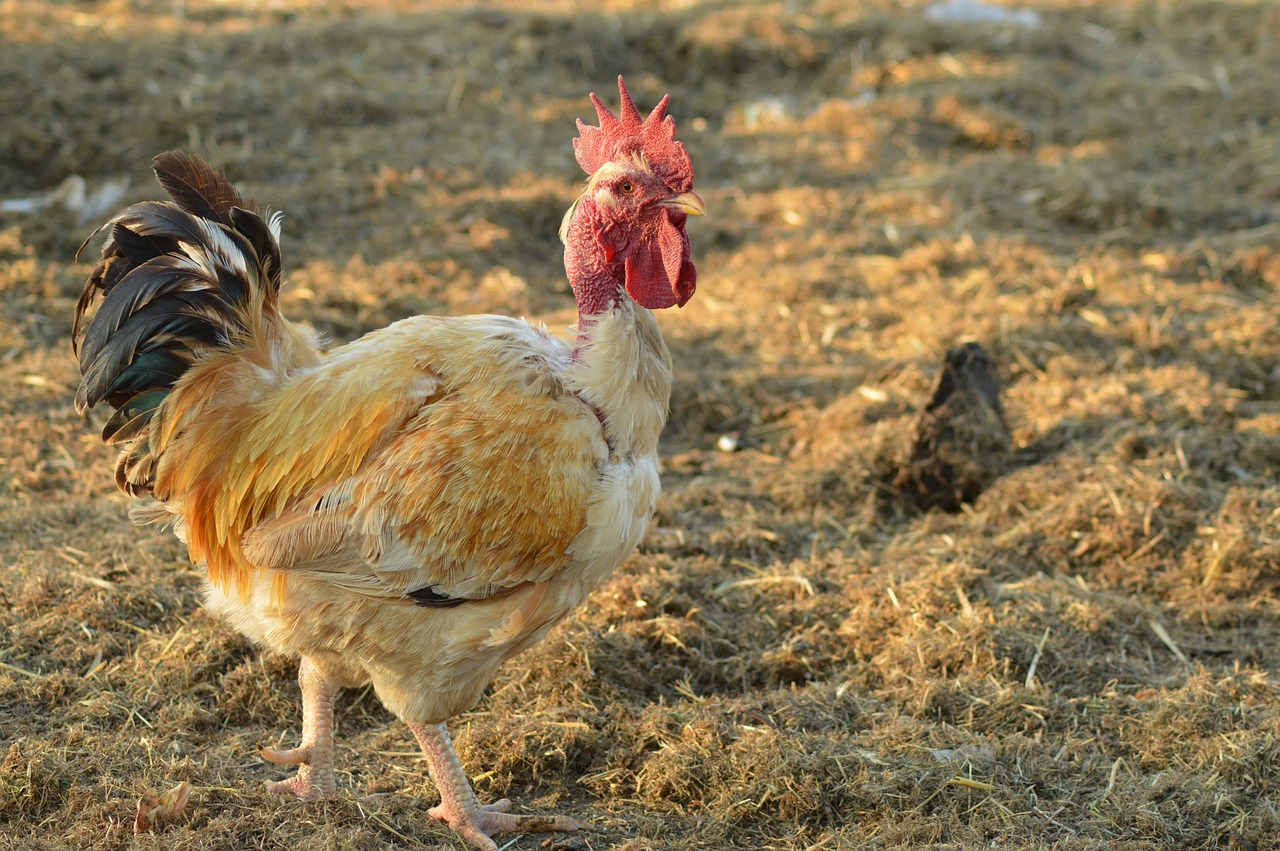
(483, 494)
(435, 452)
(242, 460)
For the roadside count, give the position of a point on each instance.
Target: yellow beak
(689, 203)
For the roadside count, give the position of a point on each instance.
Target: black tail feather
(174, 279)
(198, 189)
(158, 367)
(162, 281)
(133, 417)
(264, 244)
(136, 249)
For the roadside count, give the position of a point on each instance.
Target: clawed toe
(293, 756)
(458, 807)
(315, 780)
(496, 818)
(289, 787)
(305, 786)
(490, 821)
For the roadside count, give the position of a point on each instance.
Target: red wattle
(660, 270)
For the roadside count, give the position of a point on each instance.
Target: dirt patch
(1085, 656)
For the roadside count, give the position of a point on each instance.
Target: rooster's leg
(314, 757)
(458, 805)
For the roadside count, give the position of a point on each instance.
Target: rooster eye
(626, 187)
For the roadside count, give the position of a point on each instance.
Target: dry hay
(1084, 657)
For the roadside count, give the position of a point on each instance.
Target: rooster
(414, 508)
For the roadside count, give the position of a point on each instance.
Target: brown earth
(798, 657)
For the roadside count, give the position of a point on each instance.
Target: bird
(413, 508)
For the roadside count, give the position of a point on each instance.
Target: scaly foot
(458, 805)
(489, 820)
(315, 780)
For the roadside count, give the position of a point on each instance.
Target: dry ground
(1084, 657)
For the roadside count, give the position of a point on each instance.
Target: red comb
(654, 137)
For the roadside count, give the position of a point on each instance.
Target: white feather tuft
(273, 224)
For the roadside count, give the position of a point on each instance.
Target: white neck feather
(623, 369)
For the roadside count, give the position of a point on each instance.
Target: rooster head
(638, 198)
